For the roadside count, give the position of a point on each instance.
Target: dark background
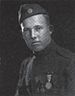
(13, 48)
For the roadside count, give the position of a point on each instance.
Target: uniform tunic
(46, 73)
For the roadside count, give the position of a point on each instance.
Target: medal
(48, 83)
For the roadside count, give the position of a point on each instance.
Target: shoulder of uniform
(64, 52)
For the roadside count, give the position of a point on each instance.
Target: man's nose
(33, 34)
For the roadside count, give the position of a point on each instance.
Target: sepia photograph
(37, 48)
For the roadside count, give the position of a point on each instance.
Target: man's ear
(51, 28)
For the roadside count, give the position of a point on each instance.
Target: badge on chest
(43, 82)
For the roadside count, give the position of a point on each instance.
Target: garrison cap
(28, 10)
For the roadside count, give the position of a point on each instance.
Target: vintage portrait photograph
(37, 48)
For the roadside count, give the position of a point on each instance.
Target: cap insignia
(30, 11)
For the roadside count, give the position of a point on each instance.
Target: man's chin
(37, 49)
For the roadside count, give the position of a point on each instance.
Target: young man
(46, 71)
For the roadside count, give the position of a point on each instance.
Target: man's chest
(48, 75)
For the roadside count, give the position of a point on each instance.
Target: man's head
(35, 27)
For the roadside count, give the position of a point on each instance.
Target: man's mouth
(35, 43)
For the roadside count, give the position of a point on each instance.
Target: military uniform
(46, 73)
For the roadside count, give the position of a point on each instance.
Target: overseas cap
(27, 10)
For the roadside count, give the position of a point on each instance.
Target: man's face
(36, 32)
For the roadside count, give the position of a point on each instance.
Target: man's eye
(38, 28)
(26, 29)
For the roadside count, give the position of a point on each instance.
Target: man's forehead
(34, 20)
(39, 17)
